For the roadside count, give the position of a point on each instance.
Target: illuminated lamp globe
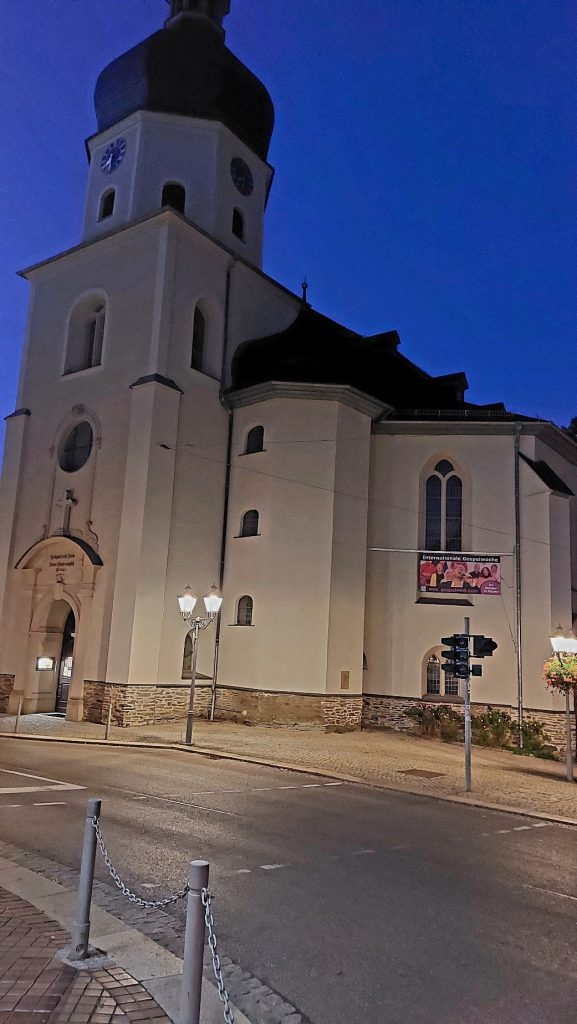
(213, 601)
(186, 603)
(564, 643)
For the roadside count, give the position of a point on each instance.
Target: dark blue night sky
(426, 163)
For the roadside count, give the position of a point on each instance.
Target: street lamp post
(187, 603)
(566, 644)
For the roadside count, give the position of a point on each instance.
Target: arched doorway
(65, 664)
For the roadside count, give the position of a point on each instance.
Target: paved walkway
(37, 988)
(376, 757)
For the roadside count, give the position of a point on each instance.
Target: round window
(76, 448)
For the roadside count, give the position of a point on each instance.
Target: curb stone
(251, 995)
(216, 754)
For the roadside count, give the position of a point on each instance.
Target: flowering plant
(561, 673)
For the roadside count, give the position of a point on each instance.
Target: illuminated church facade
(184, 419)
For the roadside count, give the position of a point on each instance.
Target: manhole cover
(422, 774)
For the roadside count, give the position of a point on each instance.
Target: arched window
(238, 224)
(437, 682)
(174, 195)
(249, 527)
(444, 509)
(244, 611)
(433, 674)
(254, 441)
(106, 204)
(85, 335)
(198, 336)
(187, 657)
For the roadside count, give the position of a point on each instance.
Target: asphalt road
(359, 906)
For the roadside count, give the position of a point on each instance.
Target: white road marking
(54, 783)
(519, 828)
(551, 892)
(362, 853)
(273, 867)
(9, 805)
(50, 803)
(243, 871)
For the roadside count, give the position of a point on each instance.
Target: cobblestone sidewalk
(376, 757)
(37, 988)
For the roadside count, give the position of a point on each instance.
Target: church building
(183, 419)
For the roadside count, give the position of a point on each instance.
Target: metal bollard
(193, 945)
(18, 713)
(81, 929)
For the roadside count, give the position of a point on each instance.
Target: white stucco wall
(400, 627)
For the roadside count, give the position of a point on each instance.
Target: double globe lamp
(187, 603)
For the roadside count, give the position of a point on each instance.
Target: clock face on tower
(113, 156)
(242, 176)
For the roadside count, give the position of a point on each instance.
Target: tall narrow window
(174, 195)
(244, 611)
(238, 224)
(249, 526)
(254, 441)
(433, 675)
(85, 335)
(444, 509)
(198, 336)
(106, 204)
(187, 657)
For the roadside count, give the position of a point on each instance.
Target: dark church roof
(185, 68)
(317, 350)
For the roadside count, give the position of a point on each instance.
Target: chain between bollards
(81, 929)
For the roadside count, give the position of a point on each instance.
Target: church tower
(182, 123)
(113, 491)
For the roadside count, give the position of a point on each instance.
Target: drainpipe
(518, 600)
(226, 481)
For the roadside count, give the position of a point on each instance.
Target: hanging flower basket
(561, 675)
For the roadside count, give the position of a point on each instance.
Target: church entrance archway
(65, 664)
(49, 613)
(52, 649)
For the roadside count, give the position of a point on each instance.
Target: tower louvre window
(107, 204)
(198, 338)
(174, 195)
(238, 224)
(85, 336)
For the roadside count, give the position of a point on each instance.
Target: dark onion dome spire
(215, 9)
(186, 69)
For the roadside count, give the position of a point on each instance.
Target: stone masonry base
(144, 705)
(6, 684)
(384, 712)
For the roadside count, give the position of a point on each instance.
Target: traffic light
(457, 656)
(483, 647)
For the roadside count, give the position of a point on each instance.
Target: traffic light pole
(468, 718)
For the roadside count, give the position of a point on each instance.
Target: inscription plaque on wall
(345, 680)
(60, 562)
